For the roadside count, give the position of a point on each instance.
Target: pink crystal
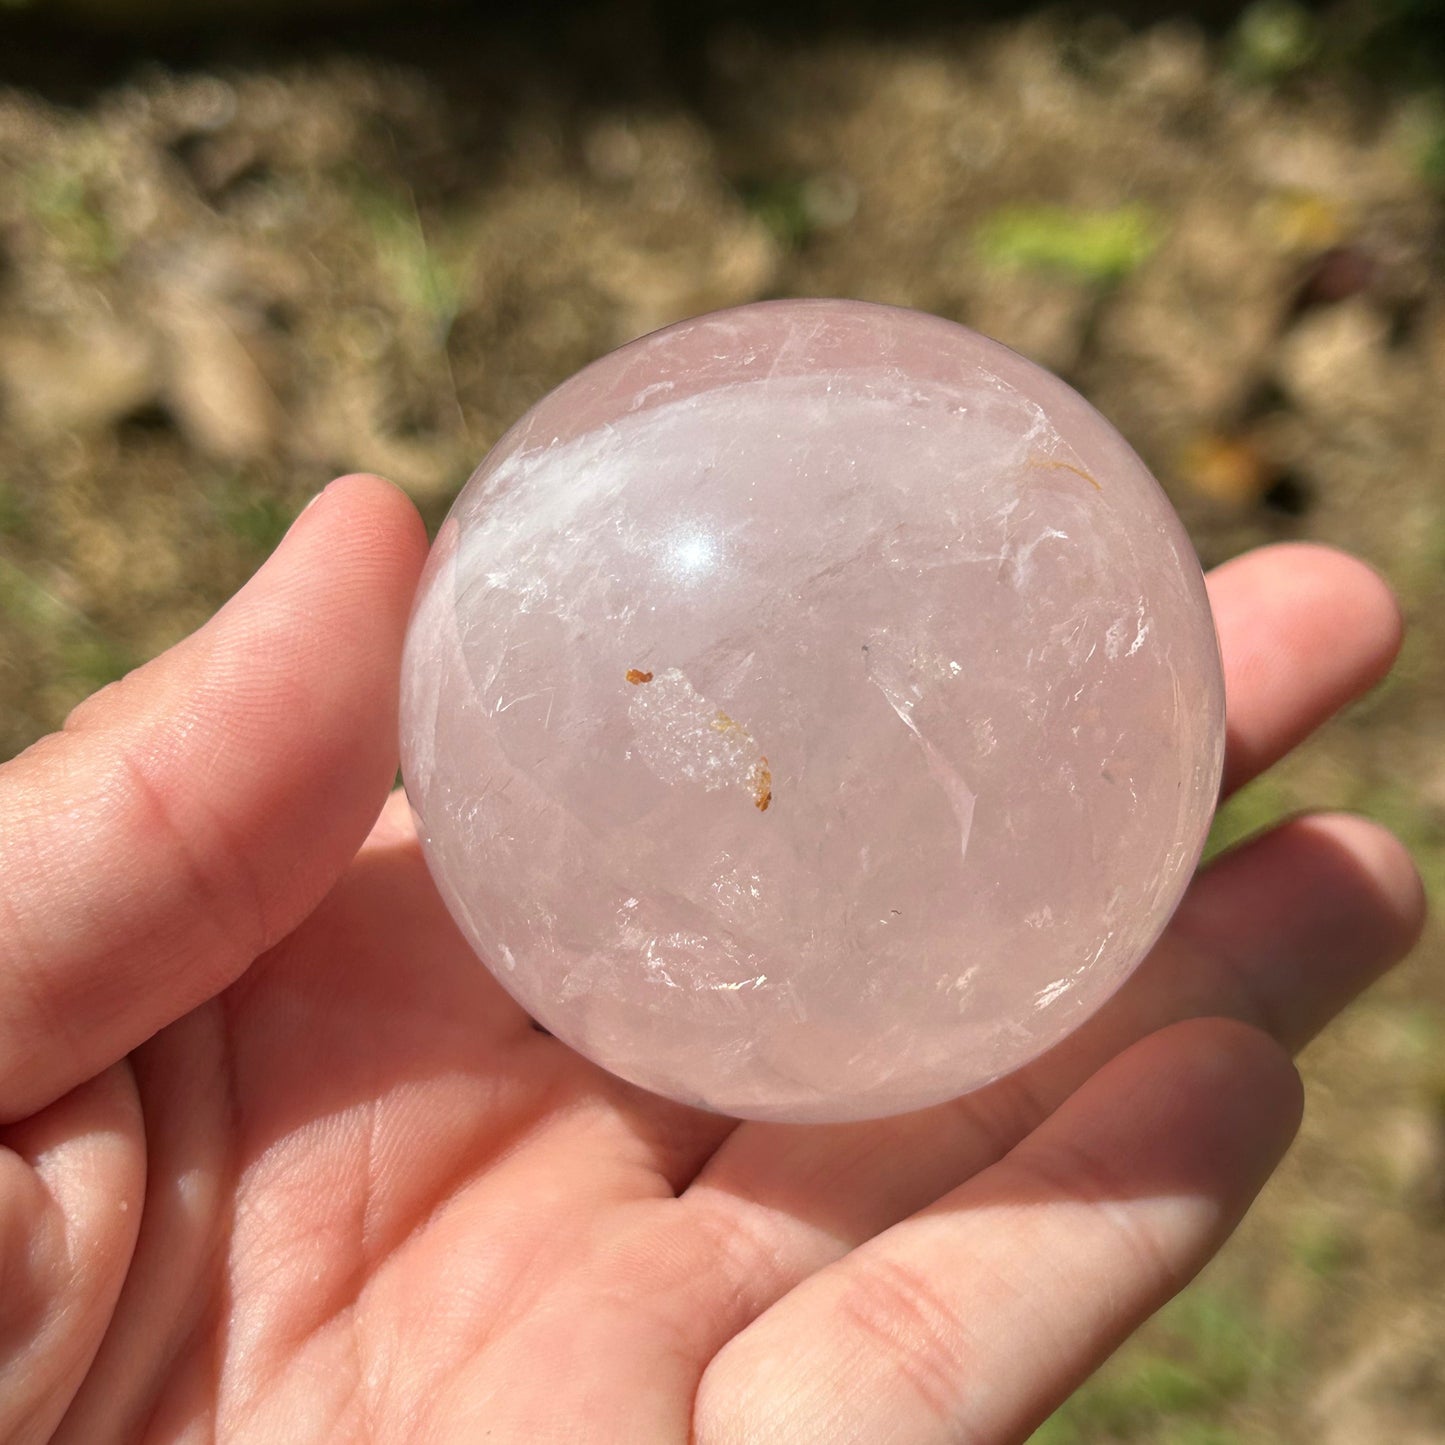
(812, 711)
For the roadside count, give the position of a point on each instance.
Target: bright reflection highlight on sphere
(692, 555)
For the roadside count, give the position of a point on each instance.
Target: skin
(281, 1162)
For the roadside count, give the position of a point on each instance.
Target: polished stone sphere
(812, 711)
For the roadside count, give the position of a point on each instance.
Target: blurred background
(248, 244)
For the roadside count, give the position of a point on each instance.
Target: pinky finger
(976, 1318)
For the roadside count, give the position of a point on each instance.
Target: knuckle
(913, 1331)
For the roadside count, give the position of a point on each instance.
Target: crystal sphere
(812, 711)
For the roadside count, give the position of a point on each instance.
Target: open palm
(282, 1162)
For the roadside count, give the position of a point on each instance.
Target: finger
(1279, 933)
(181, 1257)
(972, 1320)
(1284, 930)
(192, 814)
(71, 1182)
(1303, 630)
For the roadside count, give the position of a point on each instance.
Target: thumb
(192, 814)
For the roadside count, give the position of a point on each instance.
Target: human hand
(282, 1161)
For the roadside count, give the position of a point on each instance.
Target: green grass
(60, 200)
(1251, 810)
(259, 518)
(93, 661)
(1205, 1350)
(782, 206)
(16, 519)
(1426, 141)
(430, 277)
(1093, 246)
(83, 653)
(1399, 807)
(1274, 39)
(27, 603)
(1321, 1247)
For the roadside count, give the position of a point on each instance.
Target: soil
(233, 267)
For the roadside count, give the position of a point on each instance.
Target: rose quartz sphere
(812, 711)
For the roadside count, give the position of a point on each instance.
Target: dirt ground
(235, 271)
